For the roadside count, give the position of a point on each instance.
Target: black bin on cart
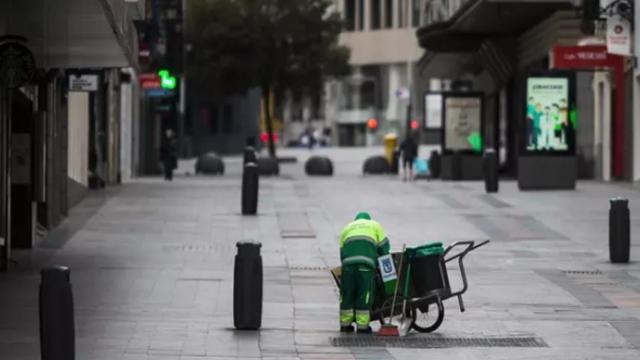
(429, 274)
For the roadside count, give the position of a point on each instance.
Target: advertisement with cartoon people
(550, 123)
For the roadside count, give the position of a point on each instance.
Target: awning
(477, 20)
(74, 33)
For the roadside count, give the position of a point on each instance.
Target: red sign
(150, 81)
(583, 57)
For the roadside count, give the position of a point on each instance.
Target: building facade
(66, 67)
(496, 45)
(380, 35)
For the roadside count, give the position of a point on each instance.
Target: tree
(276, 45)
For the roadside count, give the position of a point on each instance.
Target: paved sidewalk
(152, 267)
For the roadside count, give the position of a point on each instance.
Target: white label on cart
(387, 268)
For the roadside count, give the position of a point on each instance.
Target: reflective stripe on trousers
(346, 317)
(362, 318)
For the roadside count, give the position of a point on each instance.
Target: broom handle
(395, 293)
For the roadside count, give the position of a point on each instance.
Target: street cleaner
(361, 243)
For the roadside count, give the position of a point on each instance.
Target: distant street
(152, 267)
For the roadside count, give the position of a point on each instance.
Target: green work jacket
(361, 242)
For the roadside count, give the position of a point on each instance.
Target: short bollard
(57, 330)
(249, 155)
(247, 287)
(619, 231)
(250, 185)
(490, 171)
(434, 164)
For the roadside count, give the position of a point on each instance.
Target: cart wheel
(429, 320)
(385, 311)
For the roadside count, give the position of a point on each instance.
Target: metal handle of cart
(469, 246)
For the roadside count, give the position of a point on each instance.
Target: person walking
(361, 242)
(409, 152)
(169, 154)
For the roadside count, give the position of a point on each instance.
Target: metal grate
(437, 342)
(583, 272)
(200, 248)
(307, 268)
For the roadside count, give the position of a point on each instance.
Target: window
(227, 119)
(350, 14)
(388, 14)
(375, 14)
(361, 14)
(416, 12)
(401, 14)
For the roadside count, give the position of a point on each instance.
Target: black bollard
(619, 231)
(434, 164)
(57, 330)
(490, 171)
(250, 185)
(249, 155)
(247, 287)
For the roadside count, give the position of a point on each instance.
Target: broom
(390, 329)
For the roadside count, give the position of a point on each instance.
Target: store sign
(159, 93)
(433, 111)
(83, 82)
(150, 81)
(550, 121)
(618, 36)
(463, 123)
(581, 57)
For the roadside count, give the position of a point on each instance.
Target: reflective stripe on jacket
(362, 241)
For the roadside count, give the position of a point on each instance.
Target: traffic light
(372, 124)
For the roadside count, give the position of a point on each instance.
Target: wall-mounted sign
(619, 35)
(159, 92)
(551, 120)
(84, 82)
(17, 65)
(149, 81)
(433, 111)
(462, 122)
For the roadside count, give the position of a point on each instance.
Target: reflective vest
(361, 242)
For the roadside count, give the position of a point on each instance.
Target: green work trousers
(356, 295)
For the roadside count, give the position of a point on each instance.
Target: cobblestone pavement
(152, 268)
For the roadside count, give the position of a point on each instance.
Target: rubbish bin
(619, 232)
(428, 269)
(390, 143)
(247, 287)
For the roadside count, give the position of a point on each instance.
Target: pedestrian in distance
(362, 241)
(409, 152)
(169, 154)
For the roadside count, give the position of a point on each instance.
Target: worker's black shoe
(346, 329)
(366, 330)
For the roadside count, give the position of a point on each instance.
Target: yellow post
(390, 142)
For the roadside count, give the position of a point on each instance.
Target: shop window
(375, 14)
(227, 119)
